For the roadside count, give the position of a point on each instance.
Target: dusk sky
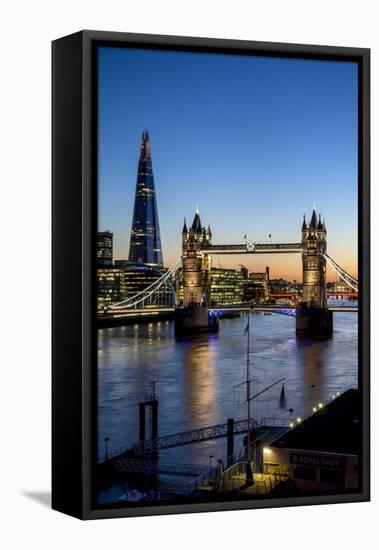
(253, 142)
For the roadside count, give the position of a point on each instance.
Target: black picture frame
(74, 205)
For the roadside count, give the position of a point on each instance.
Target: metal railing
(206, 480)
(191, 436)
(220, 430)
(235, 479)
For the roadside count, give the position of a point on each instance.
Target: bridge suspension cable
(349, 280)
(161, 293)
(158, 293)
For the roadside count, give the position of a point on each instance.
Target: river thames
(196, 378)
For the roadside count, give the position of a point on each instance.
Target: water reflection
(196, 377)
(199, 378)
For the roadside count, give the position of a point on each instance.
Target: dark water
(196, 377)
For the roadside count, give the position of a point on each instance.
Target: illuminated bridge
(159, 299)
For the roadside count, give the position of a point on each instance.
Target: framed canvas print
(210, 274)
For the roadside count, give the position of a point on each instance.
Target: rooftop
(334, 428)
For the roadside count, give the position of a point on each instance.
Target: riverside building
(226, 286)
(322, 452)
(122, 281)
(104, 248)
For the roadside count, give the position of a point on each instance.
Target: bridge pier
(194, 319)
(314, 322)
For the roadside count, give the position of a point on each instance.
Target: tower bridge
(194, 313)
(313, 317)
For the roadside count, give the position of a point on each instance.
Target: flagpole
(248, 387)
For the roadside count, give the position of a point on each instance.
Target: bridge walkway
(200, 435)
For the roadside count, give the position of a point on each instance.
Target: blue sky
(254, 142)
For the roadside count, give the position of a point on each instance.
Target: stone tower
(192, 259)
(312, 315)
(193, 315)
(314, 263)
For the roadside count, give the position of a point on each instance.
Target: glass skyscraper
(145, 239)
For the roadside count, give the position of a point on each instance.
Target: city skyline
(295, 130)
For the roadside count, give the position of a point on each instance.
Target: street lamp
(210, 461)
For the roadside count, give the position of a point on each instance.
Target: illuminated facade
(196, 281)
(314, 263)
(138, 277)
(104, 248)
(196, 265)
(119, 282)
(110, 285)
(227, 286)
(145, 240)
(313, 318)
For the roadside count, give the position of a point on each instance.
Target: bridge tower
(193, 316)
(192, 260)
(312, 315)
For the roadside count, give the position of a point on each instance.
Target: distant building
(110, 285)
(124, 280)
(226, 286)
(256, 288)
(341, 287)
(104, 248)
(244, 272)
(279, 286)
(137, 277)
(145, 240)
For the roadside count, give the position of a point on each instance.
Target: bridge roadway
(277, 308)
(167, 312)
(345, 309)
(132, 315)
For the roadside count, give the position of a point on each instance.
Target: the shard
(145, 239)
